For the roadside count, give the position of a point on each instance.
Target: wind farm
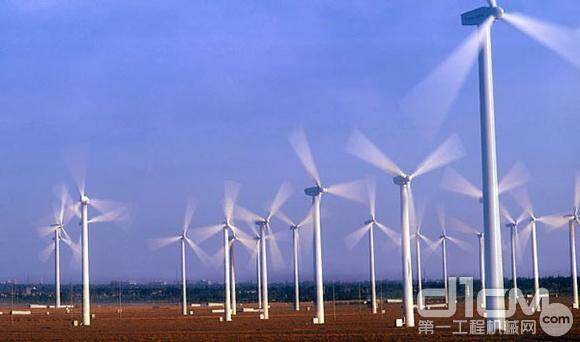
(282, 122)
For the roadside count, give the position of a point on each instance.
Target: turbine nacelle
(479, 15)
(84, 199)
(402, 180)
(314, 191)
(372, 220)
(511, 225)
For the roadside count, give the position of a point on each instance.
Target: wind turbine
(109, 212)
(418, 236)
(523, 199)
(572, 219)
(361, 147)
(266, 234)
(442, 241)
(514, 242)
(295, 228)
(346, 190)
(231, 191)
(353, 238)
(183, 239)
(61, 217)
(467, 229)
(437, 92)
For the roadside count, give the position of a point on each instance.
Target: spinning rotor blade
(394, 236)
(117, 215)
(283, 194)
(231, 192)
(372, 195)
(553, 221)
(46, 252)
(523, 236)
(449, 151)
(522, 198)
(460, 243)
(462, 226)
(155, 244)
(284, 218)
(300, 144)
(577, 192)
(203, 233)
(276, 255)
(506, 214)
(203, 257)
(246, 215)
(354, 191)
(361, 147)
(453, 181)
(517, 176)
(46, 230)
(435, 244)
(218, 258)
(189, 210)
(354, 238)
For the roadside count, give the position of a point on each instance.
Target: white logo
(556, 319)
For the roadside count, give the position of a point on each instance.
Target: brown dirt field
(149, 322)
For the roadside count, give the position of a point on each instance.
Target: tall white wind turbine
(353, 238)
(361, 147)
(231, 191)
(442, 241)
(418, 236)
(183, 239)
(437, 92)
(572, 220)
(61, 217)
(351, 190)
(295, 228)
(109, 212)
(266, 235)
(553, 221)
(469, 230)
(514, 242)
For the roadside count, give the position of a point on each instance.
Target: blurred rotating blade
(391, 234)
(462, 226)
(203, 257)
(372, 195)
(577, 191)
(460, 243)
(155, 244)
(276, 255)
(554, 221)
(285, 218)
(354, 238)
(301, 147)
(506, 214)
(517, 176)
(231, 192)
(354, 191)
(449, 151)
(120, 214)
(522, 198)
(455, 182)
(188, 216)
(247, 215)
(201, 234)
(46, 230)
(523, 236)
(283, 194)
(46, 252)
(217, 259)
(361, 147)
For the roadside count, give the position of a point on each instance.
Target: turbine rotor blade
(46, 252)
(462, 226)
(117, 215)
(189, 211)
(435, 244)
(561, 40)
(354, 191)
(372, 195)
(517, 176)
(455, 182)
(354, 238)
(301, 147)
(460, 243)
(231, 192)
(155, 244)
(577, 191)
(46, 230)
(283, 194)
(307, 220)
(522, 198)
(361, 147)
(218, 258)
(553, 221)
(394, 236)
(276, 255)
(201, 234)
(449, 151)
(246, 215)
(506, 214)
(203, 257)
(284, 218)
(523, 236)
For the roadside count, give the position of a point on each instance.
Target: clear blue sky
(170, 98)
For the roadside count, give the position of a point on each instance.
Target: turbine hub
(314, 191)
(372, 220)
(510, 225)
(402, 180)
(84, 199)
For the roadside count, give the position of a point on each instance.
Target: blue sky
(170, 98)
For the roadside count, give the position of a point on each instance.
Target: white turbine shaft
(491, 217)
(445, 276)
(482, 265)
(85, 260)
(57, 265)
(259, 276)
(318, 260)
(406, 255)
(227, 304)
(535, 266)
(233, 277)
(514, 267)
(296, 281)
(183, 279)
(419, 275)
(573, 271)
(372, 269)
(264, 269)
